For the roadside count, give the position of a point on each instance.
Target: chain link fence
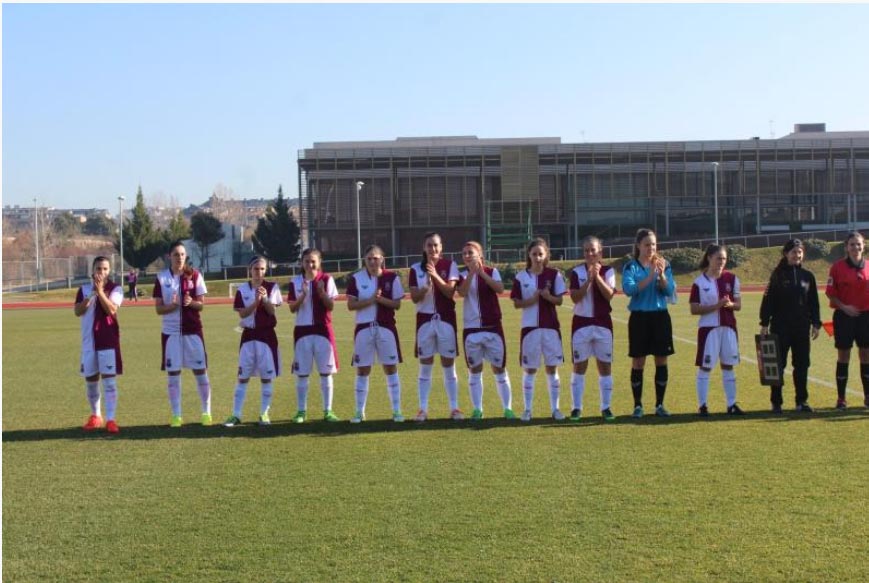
(53, 273)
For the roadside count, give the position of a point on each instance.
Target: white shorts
(310, 349)
(436, 337)
(482, 346)
(719, 343)
(595, 341)
(98, 362)
(375, 343)
(256, 359)
(183, 351)
(542, 343)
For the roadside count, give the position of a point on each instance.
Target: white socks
(238, 399)
(554, 390)
(266, 397)
(393, 386)
(451, 384)
(110, 388)
(702, 387)
(528, 389)
(424, 384)
(361, 393)
(605, 383)
(302, 393)
(475, 388)
(93, 393)
(728, 379)
(174, 390)
(505, 391)
(204, 388)
(327, 389)
(577, 389)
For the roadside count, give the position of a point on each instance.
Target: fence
(54, 273)
(21, 276)
(500, 256)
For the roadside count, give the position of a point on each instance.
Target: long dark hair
(641, 234)
(425, 238)
(186, 270)
(786, 248)
(536, 242)
(711, 250)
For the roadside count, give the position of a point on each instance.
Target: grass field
(759, 498)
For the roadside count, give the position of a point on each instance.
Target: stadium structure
(502, 191)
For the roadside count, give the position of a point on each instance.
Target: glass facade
(608, 190)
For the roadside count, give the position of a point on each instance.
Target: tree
(65, 225)
(99, 224)
(142, 242)
(178, 229)
(277, 233)
(206, 230)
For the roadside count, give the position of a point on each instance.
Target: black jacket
(791, 298)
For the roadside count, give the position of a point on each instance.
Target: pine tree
(277, 233)
(142, 242)
(206, 230)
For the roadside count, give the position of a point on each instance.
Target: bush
(816, 248)
(736, 255)
(508, 272)
(683, 259)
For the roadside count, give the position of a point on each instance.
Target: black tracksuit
(790, 308)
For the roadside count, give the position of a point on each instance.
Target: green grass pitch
(759, 498)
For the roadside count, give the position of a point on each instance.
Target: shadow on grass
(323, 429)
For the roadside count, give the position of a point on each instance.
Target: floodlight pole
(359, 186)
(36, 239)
(715, 196)
(121, 239)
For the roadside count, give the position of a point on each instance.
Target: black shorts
(848, 330)
(650, 333)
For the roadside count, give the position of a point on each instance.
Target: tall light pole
(121, 239)
(36, 238)
(359, 186)
(715, 196)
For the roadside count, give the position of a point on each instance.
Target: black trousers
(793, 338)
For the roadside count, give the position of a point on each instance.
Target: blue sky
(98, 99)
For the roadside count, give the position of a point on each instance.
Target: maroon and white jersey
(99, 330)
(707, 292)
(481, 308)
(313, 317)
(542, 314)
(434, 301)
(260, 320)
(593, 309)
(363, 286)
(171, 287)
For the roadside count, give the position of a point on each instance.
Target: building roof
(437, 142)
(826, 136)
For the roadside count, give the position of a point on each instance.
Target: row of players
(790, 309)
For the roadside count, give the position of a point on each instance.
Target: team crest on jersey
(728, 288)
(364, 286)
(387, 287)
